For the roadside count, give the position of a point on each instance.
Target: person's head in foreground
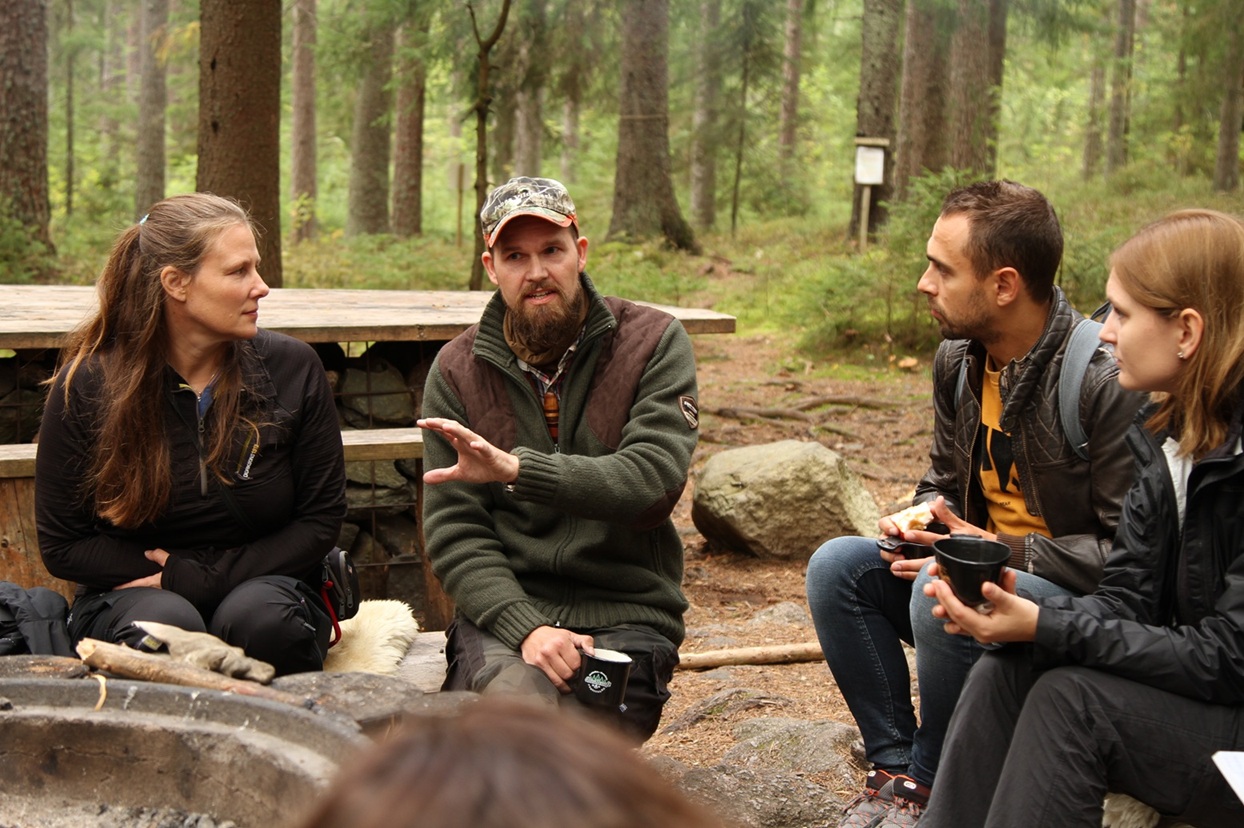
(504, 763)
(1177, 325)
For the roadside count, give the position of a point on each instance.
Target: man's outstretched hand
(479, 461)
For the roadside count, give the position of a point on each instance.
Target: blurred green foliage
(788, 271)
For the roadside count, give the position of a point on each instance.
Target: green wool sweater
(583, 539)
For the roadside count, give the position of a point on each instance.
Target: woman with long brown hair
(190, 468)
(1134, 687)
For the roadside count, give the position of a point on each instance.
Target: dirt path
(733, 596)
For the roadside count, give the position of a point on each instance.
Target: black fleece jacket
(288, 500)
(1169, 611)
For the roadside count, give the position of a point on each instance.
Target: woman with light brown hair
(190, 468)
(1134, 687)
(504, 762)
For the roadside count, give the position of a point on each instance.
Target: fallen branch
(833, 429)
(844, 399)
(772, 654)
(128, 663)
(742, 413)
(881, 477)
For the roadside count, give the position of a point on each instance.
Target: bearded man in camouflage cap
(559, 432)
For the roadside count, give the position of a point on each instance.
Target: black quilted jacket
(1078, 500)
(1170, 609)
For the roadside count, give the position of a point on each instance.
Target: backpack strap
(1081, 346)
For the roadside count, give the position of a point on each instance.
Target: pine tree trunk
(997, 65)
(570, 134)
(239, 114)
(152, 106)
(70, 60)
(504, 115)
(1178, 153)
(1092, 130)
(483, 100)
(408, 149)
(1120, 88)
(1227, 164)
(24, 116)
(571, 88)
(528, 131)
(788, 122)
(111, 85)
(531, 72)
(133, 57)
(921, 141)
(504, 125)
(368, 200)
(303, 164)
(970, 106)
(704, 118)
(644, 204)
(877, 104)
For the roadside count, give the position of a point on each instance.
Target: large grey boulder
(780, 500)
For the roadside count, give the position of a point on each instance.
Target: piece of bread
(913, 517)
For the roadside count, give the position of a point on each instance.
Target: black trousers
(480, 662)
(1027, 748)
(276, 618)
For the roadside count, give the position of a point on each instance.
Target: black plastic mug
(966, 562)
(602, 678)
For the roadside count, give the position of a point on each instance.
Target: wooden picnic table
(39, 316)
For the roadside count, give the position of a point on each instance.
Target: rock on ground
(780, 500)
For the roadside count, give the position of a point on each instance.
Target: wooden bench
(21, 563)
(382, 444)
(17, 460)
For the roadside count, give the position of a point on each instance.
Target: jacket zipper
(202, 460)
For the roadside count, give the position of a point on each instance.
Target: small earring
(1181, 355)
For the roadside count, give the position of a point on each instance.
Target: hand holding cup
(1013, 618)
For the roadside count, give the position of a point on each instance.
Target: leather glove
(208, 652)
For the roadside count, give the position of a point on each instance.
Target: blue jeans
(863, 614)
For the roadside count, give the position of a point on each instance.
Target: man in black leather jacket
(1134, 687)
(1001, 466)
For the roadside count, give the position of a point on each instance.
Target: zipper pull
(202, 461)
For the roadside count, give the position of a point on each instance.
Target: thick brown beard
(544, 329)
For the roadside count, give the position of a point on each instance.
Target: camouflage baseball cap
(525, 196)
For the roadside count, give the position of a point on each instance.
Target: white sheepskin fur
(1121, 811)
(374, 640)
